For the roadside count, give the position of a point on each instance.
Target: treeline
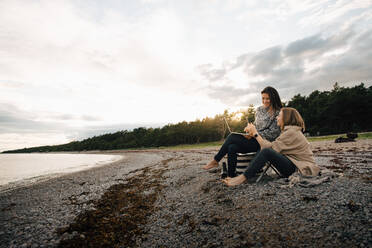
(329, 112)
(206, 130)
(341, 110)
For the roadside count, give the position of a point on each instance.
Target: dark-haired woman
(265, 121)
(288, 153)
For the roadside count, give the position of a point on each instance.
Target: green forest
(341, 110)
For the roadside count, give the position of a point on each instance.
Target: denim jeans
(235, 143)
(279, 161)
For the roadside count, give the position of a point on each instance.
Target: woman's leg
(281, 162)
(232, 156)
(243, 145)
(233, 144)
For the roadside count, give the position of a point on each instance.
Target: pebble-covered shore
(162, 198)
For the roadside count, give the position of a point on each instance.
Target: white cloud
(334, 12)
(68, 65)
(315, 62)
(145, 52)
(100, 63)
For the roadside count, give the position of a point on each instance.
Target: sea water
(16, 169)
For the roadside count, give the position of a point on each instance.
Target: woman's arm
(251, 129)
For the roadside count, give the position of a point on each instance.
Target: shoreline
(30, 180)
(31, 215)
(182, 205)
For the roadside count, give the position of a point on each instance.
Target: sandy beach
(162, 198)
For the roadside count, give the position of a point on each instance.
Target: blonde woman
(288, 153)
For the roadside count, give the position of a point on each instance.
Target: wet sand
(162, 198)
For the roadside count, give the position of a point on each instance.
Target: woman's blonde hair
(291, 117)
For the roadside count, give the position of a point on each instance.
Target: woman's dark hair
(274, 97)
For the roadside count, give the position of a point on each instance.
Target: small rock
(236, 236)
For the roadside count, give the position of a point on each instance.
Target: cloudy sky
(70, 69)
